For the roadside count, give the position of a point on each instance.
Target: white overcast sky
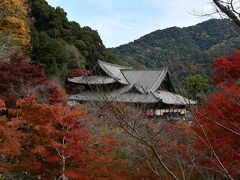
(122, 21)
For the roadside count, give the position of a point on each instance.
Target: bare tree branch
(228, 10)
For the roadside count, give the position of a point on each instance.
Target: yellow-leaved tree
(15, 22)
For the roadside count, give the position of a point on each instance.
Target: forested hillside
(62, 44)
(43, 136)
(184, 51)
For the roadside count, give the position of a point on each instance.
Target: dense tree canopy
(15, 22)
(42, 137)
(185, 51)
(6, 46)
(196, 85)
(218, 121)
(19, 78)
(50, 141)
(53, 37)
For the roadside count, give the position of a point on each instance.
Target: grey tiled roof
(92, 80)
(140, 86)
(129, 97)
(113, 97)
(114, 71)
(172, 98)
(145, 80)
(148, 79)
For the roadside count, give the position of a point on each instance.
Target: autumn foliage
(51, 142)
(15, 22)
(19, 79)
(44, 138)
(10, 146)
(2, 105)
(218, 121)
(227, 68)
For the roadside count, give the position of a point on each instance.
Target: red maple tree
(20, 78)
(218, 121)
(227, 68)
(56, 145)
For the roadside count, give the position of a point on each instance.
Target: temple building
(149, 88)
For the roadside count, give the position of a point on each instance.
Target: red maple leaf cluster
(219, 120)
(227, 68)
(20, 78)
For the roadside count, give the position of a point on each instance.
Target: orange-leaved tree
(56, 145)
(9, 140)
(15, 22)
(218, 121)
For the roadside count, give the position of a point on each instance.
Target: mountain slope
(61, 44)
(184, 51)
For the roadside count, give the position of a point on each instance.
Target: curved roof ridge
(143, 69)
(113, 71)
(159, 80)
(92, 80)
(173, 98)
(147, 79)
(115, 65)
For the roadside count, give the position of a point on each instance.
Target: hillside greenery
(61, 44)
(44, 137)
(185, 51)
